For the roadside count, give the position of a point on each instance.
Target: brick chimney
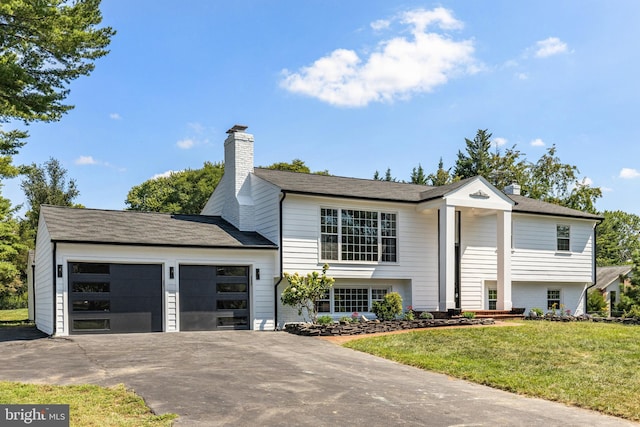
(238, 206)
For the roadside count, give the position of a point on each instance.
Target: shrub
(12, 302)
(389, 308)
(325, 320)
(409, 314)
(633, 312)
(469, 314)
(426, 315)
(537, 311)
(345, 319)
(303, 291)
(596, 302)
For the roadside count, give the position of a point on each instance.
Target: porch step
(496, 314)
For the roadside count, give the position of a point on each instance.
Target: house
(465, 245)
(610, 281)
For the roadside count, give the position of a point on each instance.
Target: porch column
(504, 260)
(446, 265)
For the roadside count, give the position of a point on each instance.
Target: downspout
(33, 287)
(594, 276)
(55, 253)
(275, 287)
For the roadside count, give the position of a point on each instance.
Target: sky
(352, 87)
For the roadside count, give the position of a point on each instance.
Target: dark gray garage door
(115, 298)
(214, 297)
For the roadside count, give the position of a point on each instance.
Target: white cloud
(537, 143)
(499, 142)
(86, 160)
(186, 143)
(522, 76)
(629, 173)
(397, 69)
(165, 174)
(196, 127)
(606, 189)
(587, 181)
(380, 24)
(549, 47)
(115, 116)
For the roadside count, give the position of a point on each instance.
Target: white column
(504, 260)
(447, 267)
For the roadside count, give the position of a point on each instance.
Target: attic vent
(479, 195)
(237, 128)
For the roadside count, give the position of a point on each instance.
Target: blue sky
(352, 87)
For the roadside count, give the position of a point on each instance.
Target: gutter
(280, 256)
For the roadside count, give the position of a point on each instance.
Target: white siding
(43, 280)
(535, 257)
(261, 295)
(417, 246)
(534, 295)
(479, 259)
(267, 198)
(216, 201)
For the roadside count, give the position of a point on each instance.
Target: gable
(478, 193)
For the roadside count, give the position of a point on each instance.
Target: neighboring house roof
(369, 189)
(146, 229)
(607, 275)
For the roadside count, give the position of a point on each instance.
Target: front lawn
(585, 364)
(89, 405)
(14, 317)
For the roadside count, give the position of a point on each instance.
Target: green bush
(633, 312)
(346, 319)
(426, 315)
(11, 302)
(469, 314)
(325, 320)
(596, 303)
(537, 311)
(389, 308)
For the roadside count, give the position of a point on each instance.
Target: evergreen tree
(418, 176)
(477, 160)
(441, 177)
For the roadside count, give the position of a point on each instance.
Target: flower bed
(583, 318)
(376, 326)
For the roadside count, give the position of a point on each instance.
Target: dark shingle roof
(528, 205)
(607, 275)
(146, 228)
(369, 189)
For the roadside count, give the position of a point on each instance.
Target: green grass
(591, 365)
(89, 405)
(16, 316)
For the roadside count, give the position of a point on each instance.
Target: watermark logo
(34, 415)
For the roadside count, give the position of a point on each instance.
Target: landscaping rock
(377, 326)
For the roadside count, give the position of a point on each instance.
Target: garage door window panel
(91, 325)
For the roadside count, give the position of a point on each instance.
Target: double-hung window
(358, 235)
(492, 296)
(563, 234)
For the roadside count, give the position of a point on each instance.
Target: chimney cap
(237, 128)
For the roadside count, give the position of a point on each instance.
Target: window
(353, 235)
(563, 233)
(349, 300)
(493, 298)
(553, 299)
(613, 298)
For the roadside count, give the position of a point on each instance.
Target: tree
(46, 184)
(617, 238)
(507, 168)
(184, 192)
(45, 45)
(11, 250)
(296, 165)
(387, 176)
(477, 160)
(303, 292)
(418, 176)
(630, 296)
(441, 177)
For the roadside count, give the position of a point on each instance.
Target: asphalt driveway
(247, 378)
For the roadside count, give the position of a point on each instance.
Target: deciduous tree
(617, 238)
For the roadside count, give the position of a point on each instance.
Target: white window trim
(340, 260)
(564, 251)
(559, 297)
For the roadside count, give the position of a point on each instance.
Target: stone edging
(376, 326)
(584, 318)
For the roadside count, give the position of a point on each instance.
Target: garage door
(115, 298)
(214, 297)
